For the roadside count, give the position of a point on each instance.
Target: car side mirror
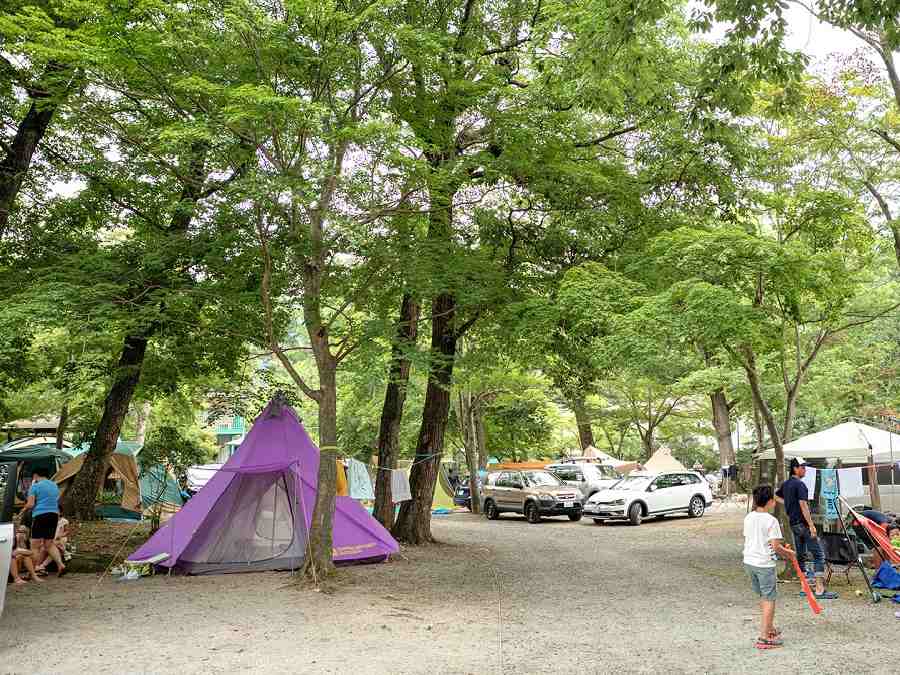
(517, 486)
(652, 488)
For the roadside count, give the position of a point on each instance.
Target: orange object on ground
(810, 598)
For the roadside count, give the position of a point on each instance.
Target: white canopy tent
(851, 442)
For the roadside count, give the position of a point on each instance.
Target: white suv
(644, 494)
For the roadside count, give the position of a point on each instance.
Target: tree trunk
(468, 409)
(647, 441)
(481, 438)
(320, 562)
(143, 418)
(392, 410)
(61, 427)
(722, 425)
(583, 420)
(768, 418)
(81, 496)
(17, 159)
(413, 524)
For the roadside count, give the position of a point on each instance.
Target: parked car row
(575, 491)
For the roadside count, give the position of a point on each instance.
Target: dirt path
(667, 597)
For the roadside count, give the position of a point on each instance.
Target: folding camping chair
(840, 552)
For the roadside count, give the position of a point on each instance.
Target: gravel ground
(495, 597)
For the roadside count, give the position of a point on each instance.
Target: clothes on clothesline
(851, 482)
(400, 491)
(809, 480)
(830, 493)
(341, 489)
(358, 479)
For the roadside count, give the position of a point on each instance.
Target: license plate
(568, 505)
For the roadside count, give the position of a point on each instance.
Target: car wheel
(490, 510)
(598, 521)
(635, 514)
(575, 516)
(696, 507)
(532, 513)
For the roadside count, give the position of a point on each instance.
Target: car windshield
(633, 483)
(539, 478)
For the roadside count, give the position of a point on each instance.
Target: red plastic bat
(810, 598)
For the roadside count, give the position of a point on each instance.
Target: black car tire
(635, 514)
(490, 510)
(532, 513)
(697, 507)
(598, 521)
(575, 516)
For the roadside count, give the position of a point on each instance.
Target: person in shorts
(43, 504)
(762, 541)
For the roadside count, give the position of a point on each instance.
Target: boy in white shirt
(762, 541)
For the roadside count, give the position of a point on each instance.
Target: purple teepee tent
(254, 513)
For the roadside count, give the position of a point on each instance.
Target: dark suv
(533, 493)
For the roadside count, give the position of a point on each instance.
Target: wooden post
(874, 494)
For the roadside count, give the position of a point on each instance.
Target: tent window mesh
(252, 522)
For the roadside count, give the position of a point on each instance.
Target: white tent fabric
(199, 475)
(848, 441)
(662, 460)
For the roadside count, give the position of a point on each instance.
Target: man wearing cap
(795, 497)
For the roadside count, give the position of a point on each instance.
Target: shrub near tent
(254, 513)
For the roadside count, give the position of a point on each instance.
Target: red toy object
(810, 598)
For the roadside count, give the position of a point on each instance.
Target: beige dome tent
(662, 460)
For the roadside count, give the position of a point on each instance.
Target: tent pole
(891, 421)
(274, 517)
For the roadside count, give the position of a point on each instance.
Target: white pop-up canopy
(848, 441)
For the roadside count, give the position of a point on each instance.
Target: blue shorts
(764, 581)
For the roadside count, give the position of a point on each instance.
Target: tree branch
(607, 137)
(266, 297)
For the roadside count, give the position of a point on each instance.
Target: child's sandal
(768, 643)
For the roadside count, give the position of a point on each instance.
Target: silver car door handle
(3, 540)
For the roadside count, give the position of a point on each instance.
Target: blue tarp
(887, 577)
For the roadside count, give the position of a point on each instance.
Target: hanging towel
(809, 480)
(358, 478)
(400, 486)
(830, 493)
(851, 482)
(341, 482)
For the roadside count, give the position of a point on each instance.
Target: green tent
(31, 457)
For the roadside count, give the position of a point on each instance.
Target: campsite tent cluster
(129, 491)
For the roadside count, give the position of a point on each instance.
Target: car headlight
(546, 497)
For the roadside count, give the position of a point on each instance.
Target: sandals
(768, 643)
